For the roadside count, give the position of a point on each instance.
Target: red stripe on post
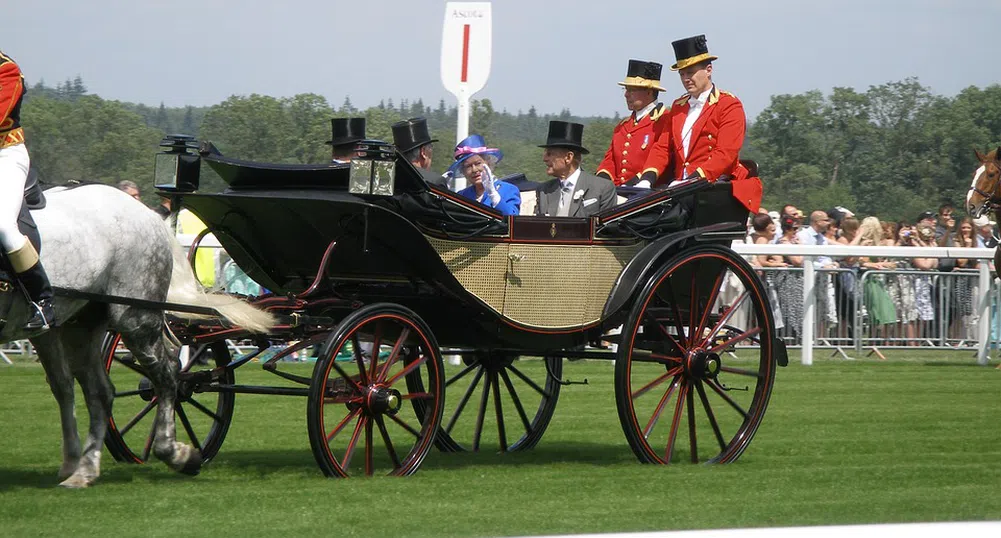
(465, 51)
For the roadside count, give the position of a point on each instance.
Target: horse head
(985, 190)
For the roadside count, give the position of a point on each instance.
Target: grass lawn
(914, 438)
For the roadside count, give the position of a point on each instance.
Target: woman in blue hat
(475, 161)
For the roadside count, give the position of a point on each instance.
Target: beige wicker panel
(479, 267)
(561, 286)
(606, 264)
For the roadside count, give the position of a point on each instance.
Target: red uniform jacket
(11, 91)
(631, 152)
(714, 145)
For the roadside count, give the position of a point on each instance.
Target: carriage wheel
(697, 362)
(202, 418)
(358, 423)
(515, 397)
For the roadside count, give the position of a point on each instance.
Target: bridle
(992, 200)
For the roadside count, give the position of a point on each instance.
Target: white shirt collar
(701, 99)
(645, 110)
(571, 180)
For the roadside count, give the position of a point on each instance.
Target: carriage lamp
(177, 169)
(373, 170)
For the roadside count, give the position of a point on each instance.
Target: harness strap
(130, 301)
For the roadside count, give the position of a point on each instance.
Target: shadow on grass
(269, 462)
(111, 473)
(956, 364)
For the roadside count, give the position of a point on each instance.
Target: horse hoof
(74, 482)
(193, 466)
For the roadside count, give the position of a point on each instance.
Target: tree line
(894, 150)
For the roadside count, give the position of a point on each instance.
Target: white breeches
(14, 164)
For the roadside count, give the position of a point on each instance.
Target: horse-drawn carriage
(384, 274)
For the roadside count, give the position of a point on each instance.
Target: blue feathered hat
(473, 145)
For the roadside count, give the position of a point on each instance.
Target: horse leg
(98, 392)
(57, 372)
(159, 356)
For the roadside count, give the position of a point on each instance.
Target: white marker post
(465, 56)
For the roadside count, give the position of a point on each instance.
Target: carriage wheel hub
(703, 364)
(384, 400)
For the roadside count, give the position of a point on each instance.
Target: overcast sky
(547, 53)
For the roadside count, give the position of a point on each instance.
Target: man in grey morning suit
(571, 192)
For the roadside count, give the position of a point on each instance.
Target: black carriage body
(478, 278)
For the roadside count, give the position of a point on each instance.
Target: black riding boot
(36, 283)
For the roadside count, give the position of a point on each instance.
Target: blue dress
(510, 197)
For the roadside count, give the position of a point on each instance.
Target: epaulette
(681, 100)
(657, 112)
(623, 122)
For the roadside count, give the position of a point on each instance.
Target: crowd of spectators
(902, 300)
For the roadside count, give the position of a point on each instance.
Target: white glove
(489, 189)
(487, 180)
(644, 184)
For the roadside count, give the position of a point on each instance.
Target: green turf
(915, 438)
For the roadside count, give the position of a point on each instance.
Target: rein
(992, 200)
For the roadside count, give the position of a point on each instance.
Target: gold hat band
(640, 82)
(705, 56)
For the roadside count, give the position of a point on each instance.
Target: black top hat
(690, 51)
(346, 131)
(563, 134)
(642, 74)
(410, 134)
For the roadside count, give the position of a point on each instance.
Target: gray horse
(98, 239)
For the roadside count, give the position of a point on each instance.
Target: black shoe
(44, 316)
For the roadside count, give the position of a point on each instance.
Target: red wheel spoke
(126, 393)
(725, 318)
(528, 381)
(710, 415)
(660, 408)
(719, 390)
(352, 382)
(710, 301)
(131, 364)
(516, 400)
(741, 371)
(462, 374)
(663, 377)
(346, 461)
(369, 449)
(673, 303)
(139, 416)
(194, 403)
(409, 368)
(417, 396)
(340, 425)
(643, 355)
(463, 401)
(373, 370)
(481, 413)
(693, 306)
(359, 358)
(499, 409)
(405, 426)
(739, 338)
(393, 355)
(389, 443)
(670, 337)
(149, 441)
(676, 420)
(187, 427)
(690, 397)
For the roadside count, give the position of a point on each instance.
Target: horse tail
(185, 289)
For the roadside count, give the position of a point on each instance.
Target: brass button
(627, 144)
(625, 152)
(624, 161)
(710, 137)
(629, 135)
(686, 164)
(623, 170)
(710, 147)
